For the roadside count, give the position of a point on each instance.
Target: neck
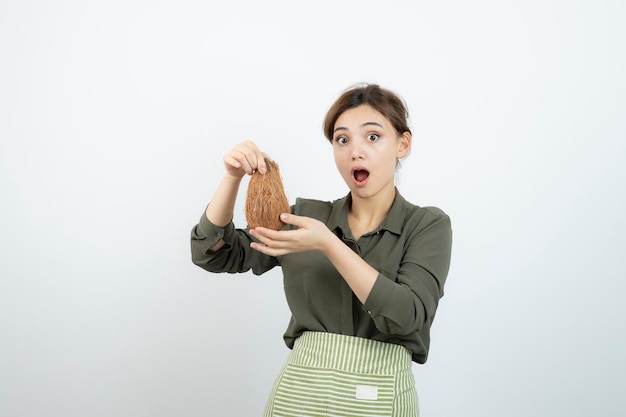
(366, 214)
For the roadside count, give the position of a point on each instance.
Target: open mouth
(360, 175)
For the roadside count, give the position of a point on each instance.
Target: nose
(357, 152)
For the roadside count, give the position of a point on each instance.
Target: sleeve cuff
(379, 296)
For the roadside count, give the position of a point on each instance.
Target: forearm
(357, 273)
(220, 210)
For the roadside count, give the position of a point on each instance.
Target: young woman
(363, 274)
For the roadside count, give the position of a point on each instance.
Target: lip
(359, 168)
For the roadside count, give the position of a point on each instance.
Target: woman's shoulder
(426, 221)
(306, 205)
(321, 209)
(429, 212)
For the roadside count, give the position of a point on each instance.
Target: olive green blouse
(410, 250)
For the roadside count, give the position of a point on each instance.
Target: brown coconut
(266, 199)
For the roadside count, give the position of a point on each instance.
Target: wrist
(232, 179)
(329, 244)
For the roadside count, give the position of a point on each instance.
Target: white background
(114, 117)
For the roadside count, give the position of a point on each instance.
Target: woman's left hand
(311, 234)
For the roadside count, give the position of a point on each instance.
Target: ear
(404, 145)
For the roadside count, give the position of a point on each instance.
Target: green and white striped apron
(335, 375)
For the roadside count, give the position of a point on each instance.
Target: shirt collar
(393, 222)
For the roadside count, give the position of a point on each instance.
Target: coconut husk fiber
(266, 199)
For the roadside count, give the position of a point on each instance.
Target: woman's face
(366, 149)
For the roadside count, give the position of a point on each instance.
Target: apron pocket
(307, 391)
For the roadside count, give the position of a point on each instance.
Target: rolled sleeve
(235, 256)
(210, 234)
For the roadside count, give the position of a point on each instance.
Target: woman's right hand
(245, 158)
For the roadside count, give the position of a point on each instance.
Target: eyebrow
(363, 125)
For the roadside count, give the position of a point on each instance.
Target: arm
(220, 211)
(215, 243)
(407, 302)
(399, 304)
(314, 235)
(244, 159)
(359, 275)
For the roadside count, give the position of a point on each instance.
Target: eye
(342, 140)
(372, 137)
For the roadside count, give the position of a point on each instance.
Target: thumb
(292, 219)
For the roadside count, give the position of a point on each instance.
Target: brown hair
(382, 100)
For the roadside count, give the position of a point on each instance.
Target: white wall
(114, 117)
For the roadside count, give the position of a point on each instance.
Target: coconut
(266, 199)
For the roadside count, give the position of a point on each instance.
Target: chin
(361, 192)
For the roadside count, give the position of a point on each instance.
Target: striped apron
(335, 375)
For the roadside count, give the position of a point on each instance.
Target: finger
(230, 160)
(251, 162)
(266, 244)
(263, 162)
(265, 236)
(242, 162)
(292, 219)
(254, 157)
(255, 160)
(274, 238)
(268, 250)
